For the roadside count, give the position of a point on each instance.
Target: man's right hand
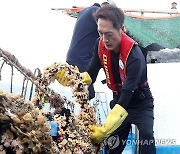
(86, 78)
(61, 77)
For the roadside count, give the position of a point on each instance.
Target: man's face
(174, 5)
(110, 36)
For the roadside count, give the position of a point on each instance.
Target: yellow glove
(86, 78)
(114, 119)
(61, 77)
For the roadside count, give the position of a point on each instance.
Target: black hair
(97, 4)
(112, 13)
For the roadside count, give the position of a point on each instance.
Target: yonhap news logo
(114, 141)
(149, 142)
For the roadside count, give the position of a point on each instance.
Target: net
(164, 31)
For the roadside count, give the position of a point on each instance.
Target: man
(126, 75)
(83, 40)
(173, 5)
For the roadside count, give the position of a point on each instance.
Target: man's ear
(123, 29)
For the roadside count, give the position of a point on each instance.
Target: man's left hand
(98, 133)
(114, 119)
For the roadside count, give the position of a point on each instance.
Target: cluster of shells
(73, 132)
(23, 127)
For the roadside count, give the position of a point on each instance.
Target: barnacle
(4, 117)
(7, 138)
(27, 117)
(41, 119)
(17, 146)
(2, 150)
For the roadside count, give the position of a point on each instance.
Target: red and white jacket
(126, 45)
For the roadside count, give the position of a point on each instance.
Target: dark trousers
(141, 114)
